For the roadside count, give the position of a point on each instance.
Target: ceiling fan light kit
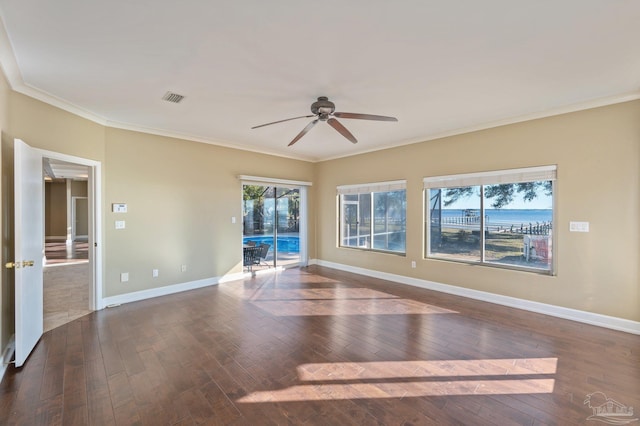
(324, 110)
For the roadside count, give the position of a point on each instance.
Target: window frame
(482, 179)
(368, 190)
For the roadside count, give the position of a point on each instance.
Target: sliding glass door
(271, 216)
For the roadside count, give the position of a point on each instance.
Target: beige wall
(180, 198)
(55, 209)
(6, 289)
(597, 152)
(79, 188)
(47, 127)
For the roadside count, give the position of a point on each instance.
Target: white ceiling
(57, 169)
(440, 67)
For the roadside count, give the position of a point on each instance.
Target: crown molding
(194, 138)
(9, 66)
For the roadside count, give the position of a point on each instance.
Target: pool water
(285, 244)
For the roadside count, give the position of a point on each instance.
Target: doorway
(68, 270)
(272, 215)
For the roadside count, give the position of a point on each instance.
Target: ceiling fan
(324, 110)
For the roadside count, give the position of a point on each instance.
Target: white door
(29, 250)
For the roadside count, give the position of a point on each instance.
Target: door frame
(303, 187)
(94, 196)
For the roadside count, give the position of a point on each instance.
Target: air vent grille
(172, 97)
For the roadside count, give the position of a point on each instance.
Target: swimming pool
(288, 244)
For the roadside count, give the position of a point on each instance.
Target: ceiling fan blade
(304, 131)
(341, 129)
(282, 121)
(364, 116)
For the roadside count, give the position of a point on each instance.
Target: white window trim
(528, 174)
(394, 185)
(257, 180)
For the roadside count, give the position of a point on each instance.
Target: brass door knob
(11, 265)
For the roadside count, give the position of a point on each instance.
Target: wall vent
(172, 97)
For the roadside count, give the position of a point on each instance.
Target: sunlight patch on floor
(423, 369)
(345, 293)
(337, 307)
(335, 302)
(409, 379)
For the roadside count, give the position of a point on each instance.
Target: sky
(542, 201)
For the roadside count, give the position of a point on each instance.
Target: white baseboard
(177, 288)
(169, 289)
(7, 354)
(591, 318)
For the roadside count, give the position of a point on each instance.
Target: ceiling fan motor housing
(323, 107)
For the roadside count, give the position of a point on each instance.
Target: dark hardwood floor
(321, 347)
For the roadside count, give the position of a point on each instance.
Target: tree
(260, 203)
(500, 194)
(253, 197)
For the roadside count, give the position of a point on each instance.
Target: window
(502, 218)
(373, 216)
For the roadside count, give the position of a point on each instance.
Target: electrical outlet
(120, 224)
(183, 268)
(413, 263)
(124, 277)
(154, 273)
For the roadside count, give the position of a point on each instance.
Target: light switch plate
(578, 226)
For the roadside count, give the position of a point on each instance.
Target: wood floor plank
(223, 407)
(52, 382)
(49, 412)
(315, 346)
